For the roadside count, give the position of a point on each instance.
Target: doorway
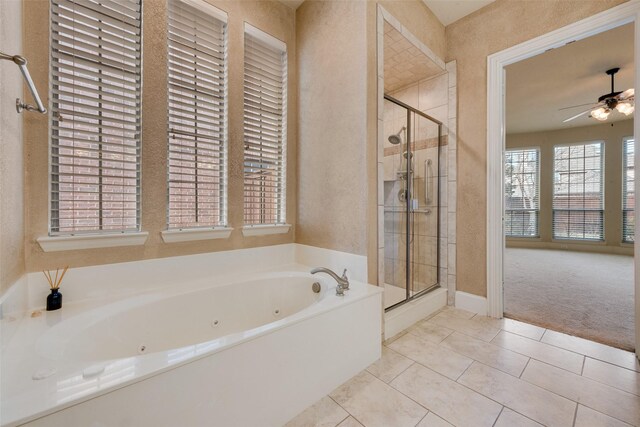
(569, 176)
(497, 135)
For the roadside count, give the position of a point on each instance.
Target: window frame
(554, 210)
(80, 239)
(221, 228)
(537, 184)
(625, 189)
(280, 224)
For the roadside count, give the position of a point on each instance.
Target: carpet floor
(582, 294)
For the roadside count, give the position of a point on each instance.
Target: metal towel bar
(22, 64)
(428, 180)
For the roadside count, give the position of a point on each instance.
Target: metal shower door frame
(409, 208)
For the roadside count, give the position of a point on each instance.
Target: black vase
(54, 300)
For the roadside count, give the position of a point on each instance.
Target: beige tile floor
(460, 369)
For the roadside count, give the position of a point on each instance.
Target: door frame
(623, 14)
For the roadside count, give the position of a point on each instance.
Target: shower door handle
(428, 181)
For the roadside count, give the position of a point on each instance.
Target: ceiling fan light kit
(623, 102)
(600, 113)
(625, 108)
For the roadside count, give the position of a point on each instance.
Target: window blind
(628, 190)
(522, 192)
(95, 121)
(265, 119)
(197, 116)
(578, 192)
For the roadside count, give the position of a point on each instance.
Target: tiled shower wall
(436, 96)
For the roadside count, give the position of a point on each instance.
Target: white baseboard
(470, 302)
(400, 318)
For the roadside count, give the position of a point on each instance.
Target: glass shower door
(411, 171)
(424, 209)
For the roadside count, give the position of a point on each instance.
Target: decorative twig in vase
(54, 300)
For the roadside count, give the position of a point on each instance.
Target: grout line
(630, 371)
(343, 408)
(498, 417)
(575, 415)
(425, 416)
(544, 343)
(541, 336)
(615, 417)
(433, 342)
(525, 368)
(449, 379)
(574, 401)
(526, 382)
(584, 360)
(465, 370)
(584, 354)
(408, 397)
(523, 415)
(359, 422)
(476, 391)
(403, 371)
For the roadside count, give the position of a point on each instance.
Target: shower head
(396, 139)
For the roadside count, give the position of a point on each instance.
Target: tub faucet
(343, 282)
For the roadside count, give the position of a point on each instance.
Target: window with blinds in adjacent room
(197, 116)
(95, 116)
(578, 191)
(522, 192)
(628, 190)
(265, 123)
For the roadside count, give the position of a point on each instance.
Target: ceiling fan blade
(577, 115)
(579, 105)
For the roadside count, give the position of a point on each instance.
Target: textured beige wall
(470, 40)
(612, 134)
(332, 125)
(270, 16)
(337, 190)
(12, 264)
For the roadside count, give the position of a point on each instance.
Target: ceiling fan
(621, 101)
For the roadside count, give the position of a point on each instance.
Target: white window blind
(265, 122)
(197, 116)
(522, 192)
(95, 116)
(628, 190)
(578, 192)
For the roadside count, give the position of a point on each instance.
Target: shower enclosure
(411, 202)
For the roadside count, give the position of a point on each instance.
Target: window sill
(524, 238)
(193, 234)
(263, 230)
(91, 241)
(578, 241)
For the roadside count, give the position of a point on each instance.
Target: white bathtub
(253, 350)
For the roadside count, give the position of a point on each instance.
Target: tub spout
(343, 282)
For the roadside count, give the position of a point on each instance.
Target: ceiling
(294, 4)
(449, 11)
(404, 63)
(574, 74)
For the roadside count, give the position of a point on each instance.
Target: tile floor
(460, 369)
